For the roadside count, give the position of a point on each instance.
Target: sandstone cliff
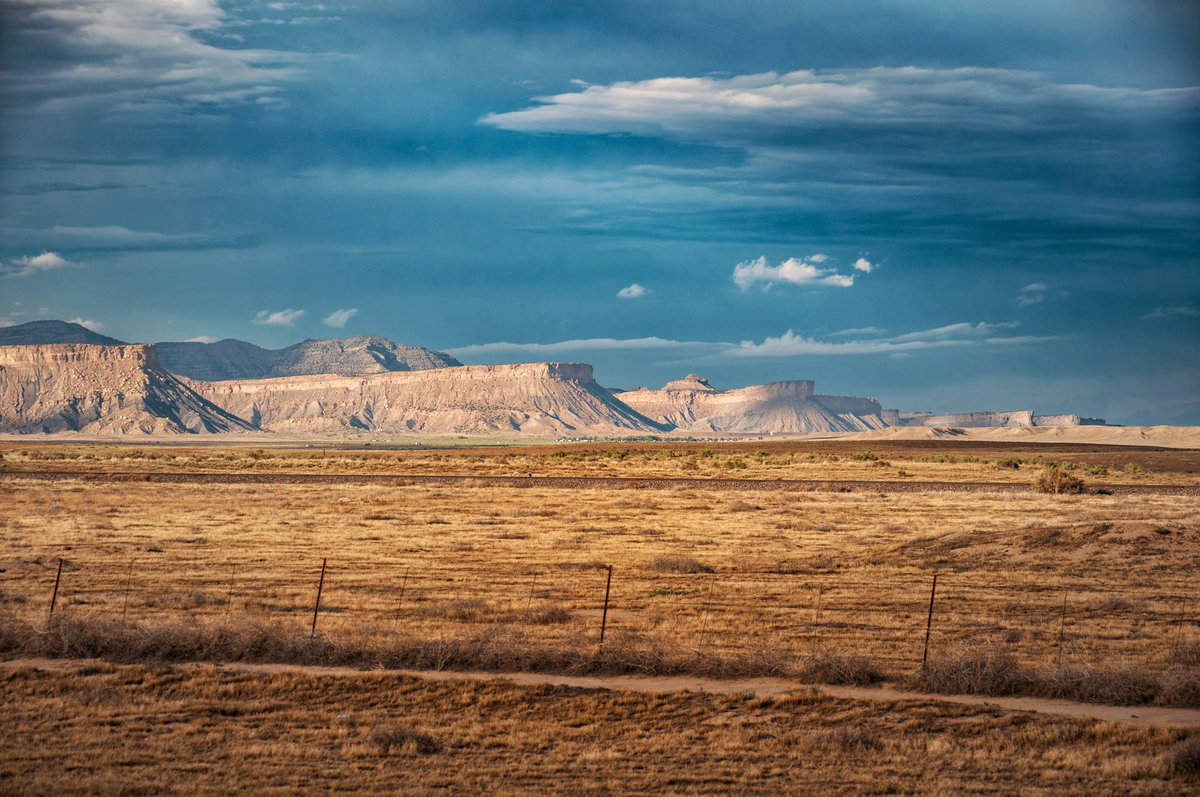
(693, 405)
(994, 420)
(99, 389)
(237, 359)
(559, 399)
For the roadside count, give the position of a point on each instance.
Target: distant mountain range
(57, 376)
(39, 333)
(237, 359)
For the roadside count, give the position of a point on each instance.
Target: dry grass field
(1086, 596)
(829, 460)
(132, 729)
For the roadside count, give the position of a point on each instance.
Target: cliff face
(692, 404)
(237, 359)
(99, 389)
(560, 399)
(992, 420)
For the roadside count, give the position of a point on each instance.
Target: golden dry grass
(108, 729)
(715, 580)
(836, 460)
(822, 585)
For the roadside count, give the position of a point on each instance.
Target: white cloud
(580, 345)
(1033, 293)
(959, 335)
(633, 291)
(201, 339)
(338, 318)
(960, 330)
(789, 344)
(95, 326)
(279, 318)
(750, 107)
(33, 264)
(842, 333)
(793, 271)
(1176, 311)
(152, 54)
(864, 265)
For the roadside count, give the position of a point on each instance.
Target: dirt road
(1154, 716)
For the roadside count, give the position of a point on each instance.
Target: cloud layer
(148, 55)
(789, 344)
(751, 107)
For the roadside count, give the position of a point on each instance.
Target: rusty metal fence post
(929, 624)
(54, 595)
(317, 605)
(604, 616)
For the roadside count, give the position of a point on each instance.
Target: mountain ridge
(232, 358)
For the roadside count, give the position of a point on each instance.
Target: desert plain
(768, 624)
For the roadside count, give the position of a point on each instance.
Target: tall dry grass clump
(997, 672)
(1057, 481)
(1183, 759)
(494, 648)
(833, 668)
(989, 672)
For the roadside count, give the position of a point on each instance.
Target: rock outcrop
(693, 405)
(100, 390)
(237, 359)
(994, 420)
(549, 399)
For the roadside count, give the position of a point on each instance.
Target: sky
(946, 205)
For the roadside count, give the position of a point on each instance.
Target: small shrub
(1118, 686)
(735, 463)
(847, 740)
(676, 563)
(990, 672)
(1010, 463)
(549, 615)
(864, 456)
(1184, 758)
(1133, 469)
(835, 669)
(1180, 686)
(404, 740)
(1187, 654)
(1056, 481)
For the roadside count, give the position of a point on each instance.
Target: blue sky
(945, 205)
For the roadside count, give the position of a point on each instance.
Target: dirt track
(1154, 716)
(575, 482)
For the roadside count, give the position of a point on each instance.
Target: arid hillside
(237, 359)
(538, 398)
(101, 390)
(693, 405)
